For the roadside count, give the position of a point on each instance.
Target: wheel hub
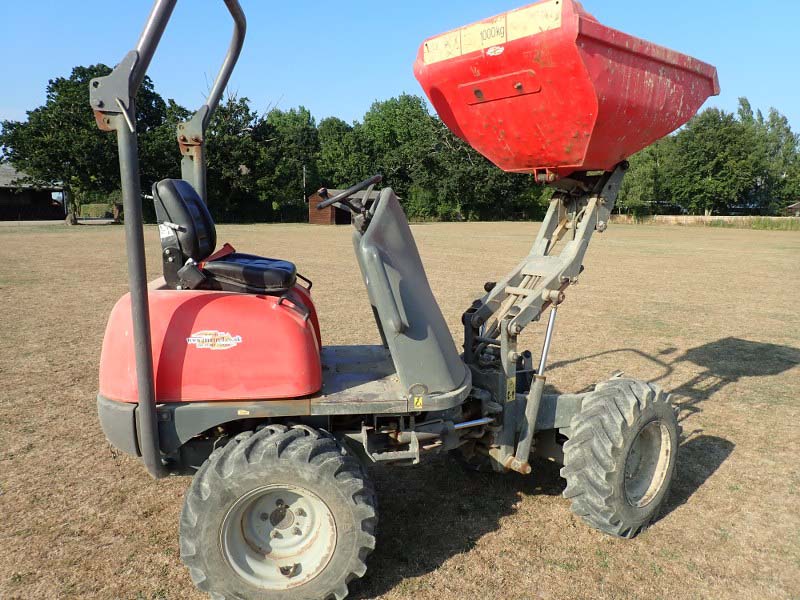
(647, 464)
(282, 517)
(278, 537)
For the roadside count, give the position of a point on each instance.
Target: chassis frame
(504, 408)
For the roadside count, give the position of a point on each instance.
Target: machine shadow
(721, 363)
(434, 512)
(726, 361)
(698, 459)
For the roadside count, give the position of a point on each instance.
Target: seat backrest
(179, 208)
(413, 326)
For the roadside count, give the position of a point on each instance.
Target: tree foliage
(719, 163)
(261, 167)
(60, 142)
(234, 158)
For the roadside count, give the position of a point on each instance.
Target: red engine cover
(211, 346)
(547, 89)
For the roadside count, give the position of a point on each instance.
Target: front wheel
(620, 457)
(283, 513)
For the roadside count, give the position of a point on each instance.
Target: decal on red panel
(213, 340)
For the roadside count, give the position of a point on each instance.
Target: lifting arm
(580, 207)
(541, 278)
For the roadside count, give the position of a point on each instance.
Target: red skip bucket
(547, 89)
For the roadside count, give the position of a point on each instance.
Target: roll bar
(113, 101)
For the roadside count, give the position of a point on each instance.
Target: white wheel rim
(647, 464)
(278, 537)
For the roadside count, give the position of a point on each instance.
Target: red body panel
(210, 345)
(547, 89)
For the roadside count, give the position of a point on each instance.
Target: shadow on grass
(436, 511)
(726, 361)
(433, 512)
(723, 362)
(698, 459)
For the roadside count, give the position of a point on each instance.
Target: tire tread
(300, 444)
(592, 455)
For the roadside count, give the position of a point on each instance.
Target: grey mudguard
(422, 347)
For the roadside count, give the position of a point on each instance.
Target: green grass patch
(758, 223)
(785, 224)
(96, 211)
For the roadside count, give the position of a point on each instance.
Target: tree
(468, 186)
(714, 171)
(437, 174)
(159, 154)
(60, 143)
(720, 162)
(235, 161)
(400, 136)
(292, 151)
(646, 188)
(343, 156)
(262, 166)
(782, 175)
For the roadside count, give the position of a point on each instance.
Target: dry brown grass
(709, 314)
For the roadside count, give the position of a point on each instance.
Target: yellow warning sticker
(511, 389)
(483, 35)
(491, 33)
(533, 20)
(443, 47)
(418, 401)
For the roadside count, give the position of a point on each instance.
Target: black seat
(189, 238)
(256, 273)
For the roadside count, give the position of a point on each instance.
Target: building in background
(21, 201)
(334, 215)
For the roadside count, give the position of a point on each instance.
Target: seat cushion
(251, 274)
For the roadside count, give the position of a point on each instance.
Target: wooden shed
(23, 201)
(334, 215)
(793, 210)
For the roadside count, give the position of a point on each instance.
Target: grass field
(710, 314)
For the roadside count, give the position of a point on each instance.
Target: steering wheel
(343, 196)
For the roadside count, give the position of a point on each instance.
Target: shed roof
(9, 177)
(793, 206)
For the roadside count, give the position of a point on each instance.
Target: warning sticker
(483, 35)
(443, 47)
(511, 389)
(492, 33)
(534, 19)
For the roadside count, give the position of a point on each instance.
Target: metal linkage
(519, 462)
(541, 278)
(438, 435)
(582, 206)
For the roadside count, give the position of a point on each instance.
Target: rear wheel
(283, 513)
(620, 456)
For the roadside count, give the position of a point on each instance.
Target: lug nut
(276, 535)
(297, 531)
(263, 516)
(290, 571)
(300, 512)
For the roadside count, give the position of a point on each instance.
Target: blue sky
(337, 57)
